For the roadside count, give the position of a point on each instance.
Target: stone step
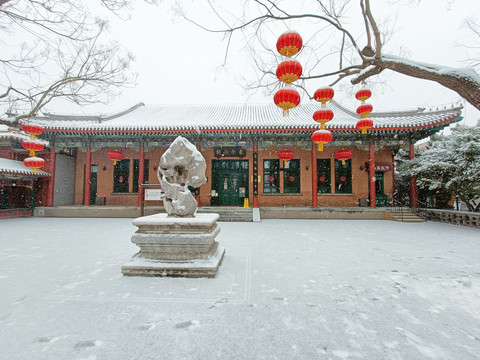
(405, 216)
(237, 214)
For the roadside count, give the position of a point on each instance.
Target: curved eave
(25, 173)
(284, 129)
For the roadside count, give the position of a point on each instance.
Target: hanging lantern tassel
(321, 137)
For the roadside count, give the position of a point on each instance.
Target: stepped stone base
(171, 246)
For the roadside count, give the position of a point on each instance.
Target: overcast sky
(178, 63)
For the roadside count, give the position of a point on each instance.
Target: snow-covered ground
(287, 289)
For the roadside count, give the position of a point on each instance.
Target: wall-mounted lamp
(104, 168)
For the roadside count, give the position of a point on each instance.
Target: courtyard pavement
(287, 289)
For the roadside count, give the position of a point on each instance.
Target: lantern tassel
(320, 147)
(32, 153)
(364, 130)
(343, 162)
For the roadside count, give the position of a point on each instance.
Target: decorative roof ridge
(97, 118)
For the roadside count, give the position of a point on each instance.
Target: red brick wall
(359, 177)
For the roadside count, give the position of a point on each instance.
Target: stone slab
(163, 223)
(140, 266)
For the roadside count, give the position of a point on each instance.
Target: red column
(371, 174)
(197, 197)
(141, 172)
(314, 177)
(88, 175)
(413, 181)
(255, 176)
(51, 180)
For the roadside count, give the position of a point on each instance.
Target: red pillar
(255, 175)
(141, 172)
(371, 174)
(51, 180)
(197, 197)
(88, 175)
(413, 181)
(314, 177)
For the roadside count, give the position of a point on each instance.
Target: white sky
(179, 63)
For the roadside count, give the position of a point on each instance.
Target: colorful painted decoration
(363, 95)
(286, 99)
(115, 156)
(286, 156)
(289, 43)
(364, 125)
(322, 117)
(364, 110)
(343, 155)
(34, 162)
(33, 130)
(289, 71)
(321, 137)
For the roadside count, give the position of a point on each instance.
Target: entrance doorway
(381, 198)
(229, 182)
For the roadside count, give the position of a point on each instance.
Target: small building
(241, 145)
(21, 189)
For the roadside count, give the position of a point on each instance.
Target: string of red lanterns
(364, 110)
(323, 136)
(33, 146)
(288, 44)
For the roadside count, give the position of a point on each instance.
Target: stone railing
(464, 218)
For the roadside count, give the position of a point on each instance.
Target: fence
(453, 217)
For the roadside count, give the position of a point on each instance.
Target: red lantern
(324, 95)
(342, 178)
(363, 95)
(271, 178)
(323, 116)
(291, 178)
(321, 178)
(289, 71)
(289, 43)
(364, 110)
(32, 146)
(34, 163)
(33, 130)
(286, 99)
(286, 156)
(115, 156)
(321, 137)
(364, 125)
(343, 155)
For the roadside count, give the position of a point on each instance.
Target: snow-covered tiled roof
(239, 117)
(8, 166)
(8, 132)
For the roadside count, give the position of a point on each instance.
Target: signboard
(383, 167)
(153, 194)
(229, 151)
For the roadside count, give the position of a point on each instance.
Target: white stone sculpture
(181, 166)
(179, 243)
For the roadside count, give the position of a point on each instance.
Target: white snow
(287, 289)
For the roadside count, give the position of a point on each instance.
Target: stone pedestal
(174, 246)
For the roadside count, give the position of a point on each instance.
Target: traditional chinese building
(241, 144)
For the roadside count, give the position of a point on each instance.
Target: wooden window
(324, 176)
(271, 176)
(121, 173)
(343, 177)
(291, 177)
